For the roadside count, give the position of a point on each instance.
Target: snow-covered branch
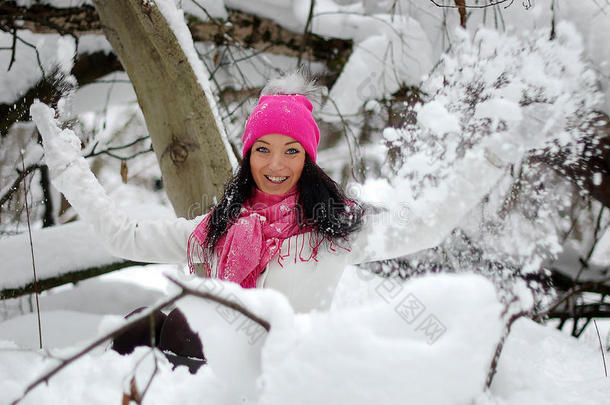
(238, 29)
(184, 292)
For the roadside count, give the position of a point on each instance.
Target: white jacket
(307, 284)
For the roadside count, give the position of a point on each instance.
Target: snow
(435, 116)
(61, 328)
(379, 64)
(570, 371)
(112, 90)
(215, 8)
(73, 246)
(370, 346)
(66, 49)
(79, 248)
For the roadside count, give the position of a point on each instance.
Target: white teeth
(276, 179)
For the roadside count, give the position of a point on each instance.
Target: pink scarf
(243, 253)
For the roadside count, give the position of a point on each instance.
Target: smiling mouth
(276, 180)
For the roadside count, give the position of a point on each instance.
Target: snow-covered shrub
(491, 87)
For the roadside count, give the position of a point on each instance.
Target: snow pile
(418, 337)
(426, 341)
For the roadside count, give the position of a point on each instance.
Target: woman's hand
(62, 147)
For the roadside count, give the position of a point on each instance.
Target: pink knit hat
(284, 114)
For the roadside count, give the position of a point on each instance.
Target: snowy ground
(372, 346)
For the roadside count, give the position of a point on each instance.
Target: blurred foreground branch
(186, 291)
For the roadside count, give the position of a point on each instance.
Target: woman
(282, 223)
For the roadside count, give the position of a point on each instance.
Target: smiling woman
(278, 193)
(282, 222)
(276, 163)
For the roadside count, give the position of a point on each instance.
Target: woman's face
(276, 162)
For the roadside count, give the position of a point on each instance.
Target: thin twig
(585, 261)
(154, 373)
(23, 41)
(13, 49)
(185, 291)
(306, 32)
(12, 189)
(553, 34)
(356, 161)
(112, 148)
(106, 152)
(134, 394)
(475, 6)
(27, 211)
(47, 376)
(601, 348)
(496, 358)
(567, 295)
(214, 20)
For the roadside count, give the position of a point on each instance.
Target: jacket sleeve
(154, 241)
(394, 233)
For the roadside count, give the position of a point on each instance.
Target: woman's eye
(292, 151)
(262, 149)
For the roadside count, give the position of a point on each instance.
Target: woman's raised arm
(425, 224)
(399, 232)
(154, 241)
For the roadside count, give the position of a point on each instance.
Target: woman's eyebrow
(287, 143)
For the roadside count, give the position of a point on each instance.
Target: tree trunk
(185, 135)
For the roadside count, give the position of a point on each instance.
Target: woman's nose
(276, 162)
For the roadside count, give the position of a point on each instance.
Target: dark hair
(322, 204)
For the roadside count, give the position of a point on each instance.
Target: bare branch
(16, 37)
(461, 4)
(22, 175)
(490, 4)
(87, 68)
(306, 31)
(572, 292)
(134, 394)
(230, 304)
(65, 362)
(13, 48)
(27, 210)
(70, 277)
(588, 311)
(241, 29)
(496, 358)
(601, 348)
(108, 151)
(185, 292)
